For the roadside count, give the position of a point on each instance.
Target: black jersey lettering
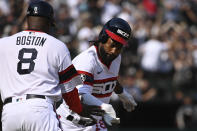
(30, 40)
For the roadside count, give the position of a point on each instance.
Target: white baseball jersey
(34, 62)
(98, 80)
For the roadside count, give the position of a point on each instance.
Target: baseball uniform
(98, 80)
(33, 64)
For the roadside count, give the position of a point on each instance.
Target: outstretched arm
(73, 101)
(109, 112)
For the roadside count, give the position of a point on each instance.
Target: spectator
(186, 116)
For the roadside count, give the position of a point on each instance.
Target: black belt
(28, 96)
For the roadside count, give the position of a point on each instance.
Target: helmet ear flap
(103, 37)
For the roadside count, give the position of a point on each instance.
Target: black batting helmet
(117, 29)
(41, 9)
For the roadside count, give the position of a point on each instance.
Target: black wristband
(118, 89)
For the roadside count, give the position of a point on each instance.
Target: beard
(106, 57)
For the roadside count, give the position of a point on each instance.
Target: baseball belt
(28, 96)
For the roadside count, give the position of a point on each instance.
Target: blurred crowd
(160, 61)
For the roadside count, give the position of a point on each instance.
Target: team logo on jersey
(83, 77)
(99, 72)
(32, 33)
(104, 87)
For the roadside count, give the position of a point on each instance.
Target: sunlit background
(159, 66)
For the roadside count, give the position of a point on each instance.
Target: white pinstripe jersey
(34, 62)
(99, 80)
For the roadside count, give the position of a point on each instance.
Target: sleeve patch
(89, 80)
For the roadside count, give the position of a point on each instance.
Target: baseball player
(35, 71)
(99, 66)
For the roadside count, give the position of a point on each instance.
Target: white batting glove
(128, 101)
(110, 114)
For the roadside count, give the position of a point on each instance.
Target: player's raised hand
(128, 101)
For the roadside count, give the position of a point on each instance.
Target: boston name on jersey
(30, 40)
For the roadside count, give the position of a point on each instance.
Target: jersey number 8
(24, 60)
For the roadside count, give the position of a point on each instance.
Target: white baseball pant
(29, 115)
